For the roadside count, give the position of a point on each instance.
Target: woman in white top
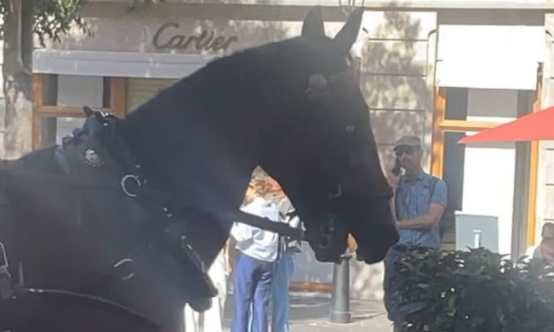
(255, 264)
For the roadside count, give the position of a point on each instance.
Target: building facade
(435, 69)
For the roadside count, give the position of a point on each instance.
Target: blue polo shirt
(413, 200)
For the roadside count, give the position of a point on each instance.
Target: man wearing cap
(420, 200)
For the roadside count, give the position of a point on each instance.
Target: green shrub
(476, 291)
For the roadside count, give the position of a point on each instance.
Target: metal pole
(340, 293)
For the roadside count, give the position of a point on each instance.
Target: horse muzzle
(328, 240)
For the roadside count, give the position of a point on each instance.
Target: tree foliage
(52, 18)
(476, 291)
(56, 17)
(137, 6)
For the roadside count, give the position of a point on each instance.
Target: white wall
(489, 168)
(65, 125)
(481, 56)
(486, 58)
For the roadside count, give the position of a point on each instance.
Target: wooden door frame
(441, 125)
(40, 110)
(533, 175)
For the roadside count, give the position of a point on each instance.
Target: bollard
(340, 292)
(476, 239)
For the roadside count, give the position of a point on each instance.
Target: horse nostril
(326, 233)
(324, 243)
(335, 192)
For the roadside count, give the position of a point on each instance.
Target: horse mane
(196, 91)
(226, 65)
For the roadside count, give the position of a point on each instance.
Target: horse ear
(349, 33)
(313, 24)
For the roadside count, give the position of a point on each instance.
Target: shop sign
(168, 37)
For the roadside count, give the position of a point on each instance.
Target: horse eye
(318, 82)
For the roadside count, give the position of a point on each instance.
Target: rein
(100, 145)
(135, 185)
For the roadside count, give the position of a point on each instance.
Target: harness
(100, 145)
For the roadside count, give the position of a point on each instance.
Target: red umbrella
(536, 126)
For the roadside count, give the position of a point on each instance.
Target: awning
(538, 126)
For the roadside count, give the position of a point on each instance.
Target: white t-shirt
(253, 241)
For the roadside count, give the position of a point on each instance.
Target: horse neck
(193, 139)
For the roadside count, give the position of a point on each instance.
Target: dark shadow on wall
(394, 78)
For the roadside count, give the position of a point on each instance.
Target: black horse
(132, 210)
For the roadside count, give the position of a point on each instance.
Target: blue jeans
(252, 287)
(280, 294)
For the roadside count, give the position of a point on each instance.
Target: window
(59, 99)
(472, 171)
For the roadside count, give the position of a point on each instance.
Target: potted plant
(476, 291)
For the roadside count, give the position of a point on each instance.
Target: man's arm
(434, 213)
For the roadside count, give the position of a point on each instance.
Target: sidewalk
(310, 313)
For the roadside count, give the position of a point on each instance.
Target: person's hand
(393, 178)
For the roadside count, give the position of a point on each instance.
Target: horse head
(323, 152)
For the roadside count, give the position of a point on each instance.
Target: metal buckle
(122, 264)
(135, 179)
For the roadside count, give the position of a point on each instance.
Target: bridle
(317, 89)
